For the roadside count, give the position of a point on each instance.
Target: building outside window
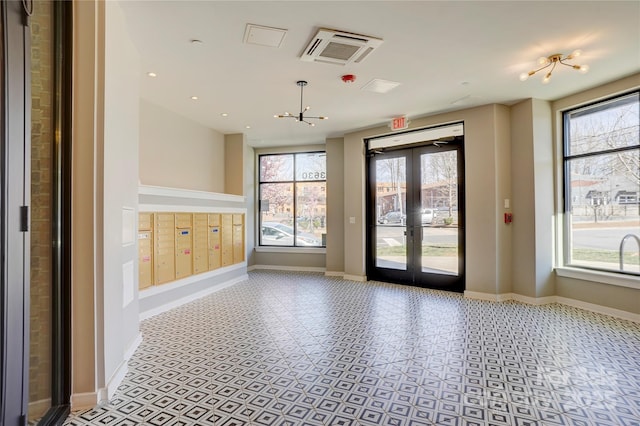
(293, 199)
(602, 185)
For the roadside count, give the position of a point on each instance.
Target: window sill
(300, 250)
(600, 277)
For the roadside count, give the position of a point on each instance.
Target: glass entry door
(416, 216)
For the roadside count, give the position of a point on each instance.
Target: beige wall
(335, 205)
(533, 206)
(249, 167)
(234, 156)
(485, 130)
(88, 27)
(176, 152)
(503, 191)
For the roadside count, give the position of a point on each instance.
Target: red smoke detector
(348, 78)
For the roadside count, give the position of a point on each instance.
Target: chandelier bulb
(575, 54)
(524, 76)
(583, 69)
(546, 78)
(300, 117)
(543, 60)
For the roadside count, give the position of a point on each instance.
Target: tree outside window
(602, 184)
(293, 199)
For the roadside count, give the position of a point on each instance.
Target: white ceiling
(446, 55)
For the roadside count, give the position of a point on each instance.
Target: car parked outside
(428, 216)
(278, 234)
(392, 217)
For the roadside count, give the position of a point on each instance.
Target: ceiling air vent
(338, 47)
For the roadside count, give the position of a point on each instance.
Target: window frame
(567, 268)
(287, 248)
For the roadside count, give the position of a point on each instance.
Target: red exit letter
(399, 123)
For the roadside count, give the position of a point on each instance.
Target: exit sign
(399, 123)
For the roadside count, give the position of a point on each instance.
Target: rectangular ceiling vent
(339, 47)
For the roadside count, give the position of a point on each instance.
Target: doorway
(416, 209)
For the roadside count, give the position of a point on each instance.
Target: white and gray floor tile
(304, 349)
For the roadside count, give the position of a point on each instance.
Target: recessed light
(152, 74)
(224, 114)
(195, 98)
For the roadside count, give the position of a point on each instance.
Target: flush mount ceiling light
(552, 61)
(301, 117)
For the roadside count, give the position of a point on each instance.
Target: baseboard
(82, 401)
(361, 278)
(190, 298)
(114, 382)
(334, 273)
(538, 301)
(487, 296)
(617, 313)
(132, 347)
(192, 279)
(288, 268)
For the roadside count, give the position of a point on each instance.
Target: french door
(14, 202)
(416, 215)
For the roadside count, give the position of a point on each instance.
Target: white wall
(104, 181)
(120, 156)
(176, 152)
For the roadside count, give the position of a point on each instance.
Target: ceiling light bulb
(583, 69)
(546, 78)
(224, 114)
(543, 60)
(195, 98)
(323, 118)
(247, 127)
(575, 54)
(152, 74)
(524, 76)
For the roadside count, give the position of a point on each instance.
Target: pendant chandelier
(300, 117)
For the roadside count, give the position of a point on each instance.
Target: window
(602, 184)
(293, 199)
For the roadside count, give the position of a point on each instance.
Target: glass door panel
(391, 208)
(416, 215)
(439, 212)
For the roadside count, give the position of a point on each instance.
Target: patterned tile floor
(304, 349)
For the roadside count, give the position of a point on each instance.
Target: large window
(602, 185)
(293, 199)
